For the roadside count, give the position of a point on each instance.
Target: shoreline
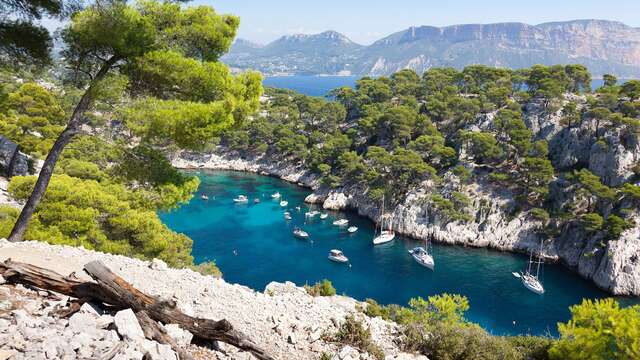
(343, 201)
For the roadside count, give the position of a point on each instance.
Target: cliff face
(612, 265)
(603, 46)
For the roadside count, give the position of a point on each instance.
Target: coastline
(415, 220)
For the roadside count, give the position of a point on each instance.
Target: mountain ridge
(602, 45)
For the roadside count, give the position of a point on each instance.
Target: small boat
(352, 229)
(422, 256)
(341, 222)
(241, 199)
(256, 201)
(298, 208)
(324, 216)
(385, 235)
(301, 234)
(204, 197)
(284, 203)
(337, 256)
(311, 214)
(529, 280)
(275, 195)
(287, 216)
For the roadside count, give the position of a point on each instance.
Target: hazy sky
(367, 20)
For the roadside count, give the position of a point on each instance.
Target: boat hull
(338, 260)
(382, 239)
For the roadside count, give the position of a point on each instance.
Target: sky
(365, 21)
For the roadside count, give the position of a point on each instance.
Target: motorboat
(352, 229)
(256, 201)
(341, 222)
(204, 197)
(241, 199)
(311, 214)
(301, 234)
(284, 203)
(324, 216)
(337, 256)
(275, 195)
(422, 257)
(287, 216)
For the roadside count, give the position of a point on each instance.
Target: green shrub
(540, 214)
(207, 268)
(532, 347)
(599, 329)
(353, 333)
(321, 288)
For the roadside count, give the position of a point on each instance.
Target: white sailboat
(529, 280)
(422, 256)
(385, 235)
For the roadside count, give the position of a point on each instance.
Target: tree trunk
(72, 129)
(111, 289)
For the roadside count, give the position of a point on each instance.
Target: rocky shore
(616, 270)
(284, 319)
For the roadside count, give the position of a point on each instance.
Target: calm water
(267, 251)
(310, 85)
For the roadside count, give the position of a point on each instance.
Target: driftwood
(153, 331)
(112, 290)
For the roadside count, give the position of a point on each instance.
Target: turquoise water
(310, 85)
(253, 245)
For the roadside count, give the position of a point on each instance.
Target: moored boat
(204, 197)
(341, 222)
(241, 199)
(422, 257)
(324, 216)
(337, 256)
(300, 234)
(352, 229)
(387, 234)
(284, 203)
(275, 195)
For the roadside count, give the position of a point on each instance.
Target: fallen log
(111, 289)
(153, 331)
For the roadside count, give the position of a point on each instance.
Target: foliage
(207, 268)
(599, 329)
(352, 332)
(321, 288)
(100, 216)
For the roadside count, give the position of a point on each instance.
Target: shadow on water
(253, 245)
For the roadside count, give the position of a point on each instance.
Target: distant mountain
(323, 53)
(603, 46)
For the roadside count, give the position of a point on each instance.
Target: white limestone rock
(127, 325)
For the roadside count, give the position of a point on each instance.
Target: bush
(532, 347)
(321, 288)
(353, 333)
(599, 329)
(207, 268)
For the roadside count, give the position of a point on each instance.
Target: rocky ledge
(284, 320)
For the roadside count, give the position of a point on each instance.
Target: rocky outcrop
(12, 161)
(284, 320)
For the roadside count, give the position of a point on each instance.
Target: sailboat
(385, 235)
(529, 280)
(422, 256)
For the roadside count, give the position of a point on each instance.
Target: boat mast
(530, 261)
(539, 261)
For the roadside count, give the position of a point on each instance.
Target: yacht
(275, 195)
(284, 203)
(352, 229)
(241, 199)
(341, 222)
(337, 256)
(385, 235)
(422, 256)
(301, 234)
(324, 216)
(529, 280)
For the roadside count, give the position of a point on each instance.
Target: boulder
(12, 161)
(127, 325)
(336, 201)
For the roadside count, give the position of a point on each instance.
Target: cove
(253, 245)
